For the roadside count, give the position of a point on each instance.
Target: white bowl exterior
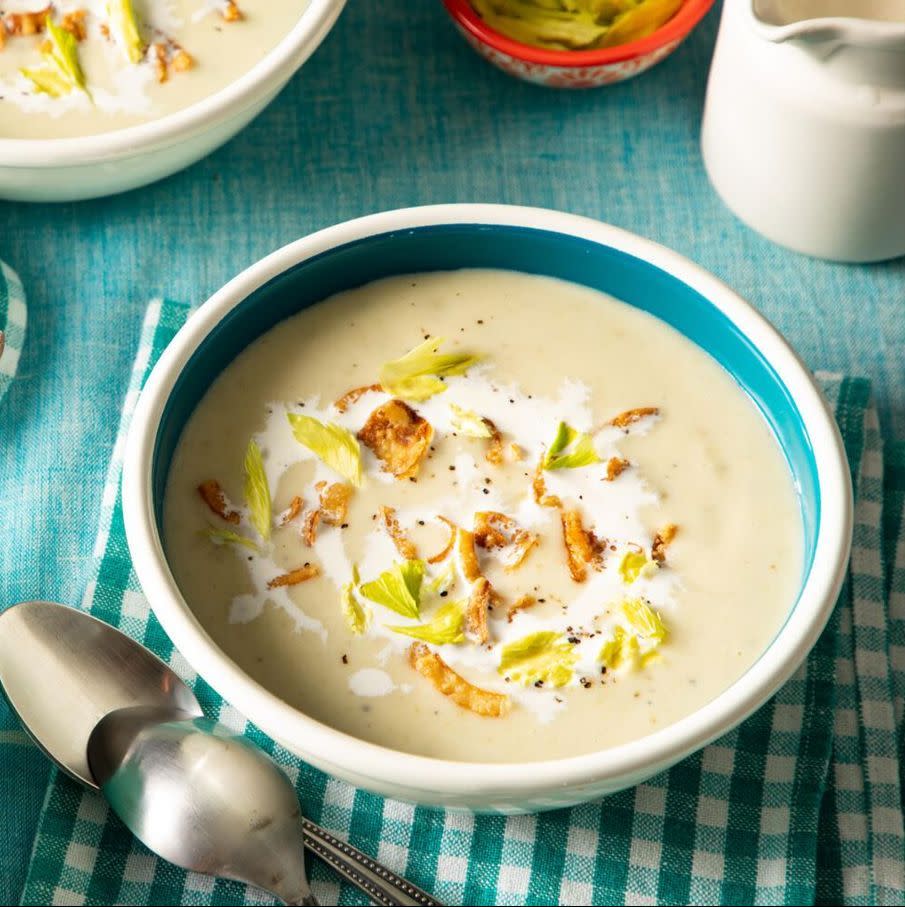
(491, 787)
(58, 170)
(67, 184)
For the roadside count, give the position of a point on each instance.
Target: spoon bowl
(202, 798)
(63, 670)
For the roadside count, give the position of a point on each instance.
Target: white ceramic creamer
(804, 123)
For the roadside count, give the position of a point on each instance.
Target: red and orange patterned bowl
(575, 68)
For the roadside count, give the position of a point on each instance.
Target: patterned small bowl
(575, 68)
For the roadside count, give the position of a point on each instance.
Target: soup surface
(570, 527)
(82, 67)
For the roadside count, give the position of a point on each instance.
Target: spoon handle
(380, 884)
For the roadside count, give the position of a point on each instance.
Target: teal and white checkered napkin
(801, 804)
(12, 325)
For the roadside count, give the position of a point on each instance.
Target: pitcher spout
(831, 23)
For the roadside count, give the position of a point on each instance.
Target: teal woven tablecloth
(394, 109)
(802, 803)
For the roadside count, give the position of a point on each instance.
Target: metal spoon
(201, 799)
(66, 674)
(63, 670)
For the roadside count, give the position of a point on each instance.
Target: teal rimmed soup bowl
(534, 241)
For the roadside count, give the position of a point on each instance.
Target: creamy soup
(483, 516)
(81, 67)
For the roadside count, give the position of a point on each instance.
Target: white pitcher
(804, 123)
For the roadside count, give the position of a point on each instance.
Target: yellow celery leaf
(64, 72)
(416, 375)
(257, 491)
(446, 627)
(570, 449)
(644, 620)
(398, 588)
(47, 81)
(621, 650)
(125, 24)
(227, 537)
(337, 447)
(544, 657)
(469, 423)
(356, 614)
(64, 53)
(651, 657)
(634, 564)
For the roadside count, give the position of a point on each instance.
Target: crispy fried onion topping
(451, 541)
(464, 694)
(350, 398)
(468, 557)
(479, 600)
(294, 577)
(496, 449)
(74, 23)
(404, 545)
(520, 604)
(27, 23)
(482, 594)
(494, 453)
(292, 511)
(231, 12)
(167, 55)
(615, 467)
(335, 497)
(213, 496)
(398, 436)
(631, 416)
(332, 509)
(583, 548)
(309, 526)
(493, 530)
(662, 540)
(539, 485)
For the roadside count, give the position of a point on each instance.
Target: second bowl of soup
(98, 97)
